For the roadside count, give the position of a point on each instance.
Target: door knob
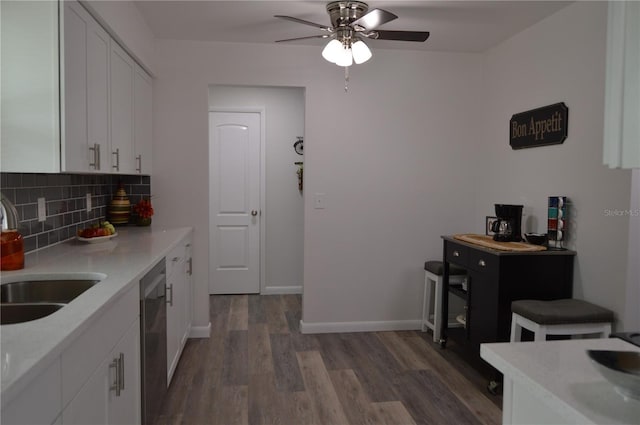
(254, 213)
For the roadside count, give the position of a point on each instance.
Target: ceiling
(455, 26)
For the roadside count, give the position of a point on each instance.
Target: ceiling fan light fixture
(346, 57)
(332, 51)
(361, 52)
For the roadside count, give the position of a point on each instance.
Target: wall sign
(539, 127)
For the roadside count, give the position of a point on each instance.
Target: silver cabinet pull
(254, 213)
(96, 156)
(139, 167)
(170, 299)
(456, 254)
(174, 259)
(117, 154)
(190, 271)
(115, 365)
(481, 263)
(121, 372)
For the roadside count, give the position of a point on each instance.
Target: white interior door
(234, 213)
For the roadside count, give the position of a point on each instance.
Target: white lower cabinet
(112, 394)
(179, 301)
(101, 369)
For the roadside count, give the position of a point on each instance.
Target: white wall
(125, 23)
(392, 155)
(561, 59)
(284, 212)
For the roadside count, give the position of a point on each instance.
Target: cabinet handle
(170, 299)
(481, 263)
(190, 271)
(121, 371)
(456, 254)
(115, 364)
(139, 167)
(96, 156)
(174, 259)
(117, 154)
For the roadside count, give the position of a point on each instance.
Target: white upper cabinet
(82, 107)
(85, 130)
(122, 106)
(143, 119)
(29, 87)
(622, 89)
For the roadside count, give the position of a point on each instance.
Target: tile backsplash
(66, 206)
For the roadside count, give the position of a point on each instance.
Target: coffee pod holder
(557, 222)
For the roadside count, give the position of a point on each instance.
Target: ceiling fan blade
(400, 35)
(373, 19)
(302, 21)
(304, 38)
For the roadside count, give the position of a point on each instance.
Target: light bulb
(332, 51)
(361, 52)
(345, 58)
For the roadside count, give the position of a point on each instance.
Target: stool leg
(540, 333)
(516, 329)
(606, 331)
(437, 310)
(426, 303)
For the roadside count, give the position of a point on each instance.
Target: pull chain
(346, 79)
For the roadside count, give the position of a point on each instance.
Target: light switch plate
(88, 202)
(42, 209)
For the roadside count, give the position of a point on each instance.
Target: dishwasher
(153, 350)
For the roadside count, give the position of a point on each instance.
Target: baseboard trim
(279, 290)
(373, 326)
(200, 331)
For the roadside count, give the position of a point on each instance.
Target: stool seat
(437, 268)
(561, 311)
(559, 317)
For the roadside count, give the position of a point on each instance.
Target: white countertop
(561, 373)
(27, 348)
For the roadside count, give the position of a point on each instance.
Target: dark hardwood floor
(257, 368)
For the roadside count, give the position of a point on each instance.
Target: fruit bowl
(620, 368)
(97, 239)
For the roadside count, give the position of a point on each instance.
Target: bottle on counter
(11, 241)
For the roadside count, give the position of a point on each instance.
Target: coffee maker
(507, 227)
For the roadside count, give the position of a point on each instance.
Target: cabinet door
(125, 408)
(143, 111)
(91, 404)
(29, 87)
(86, 51)
(175, 311)
(98, 401)
(122, 72)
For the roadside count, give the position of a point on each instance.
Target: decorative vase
(144, 221)
(119, 208)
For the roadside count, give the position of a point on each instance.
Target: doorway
(280, 216)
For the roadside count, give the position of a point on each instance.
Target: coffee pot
(507, 226)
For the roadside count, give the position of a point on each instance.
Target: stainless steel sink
(44, 291)
(34, 298)
(26, 312)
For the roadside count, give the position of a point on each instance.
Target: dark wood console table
(494, 279)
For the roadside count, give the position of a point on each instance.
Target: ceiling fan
(351, 23)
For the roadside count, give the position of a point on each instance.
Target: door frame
(263, 175)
